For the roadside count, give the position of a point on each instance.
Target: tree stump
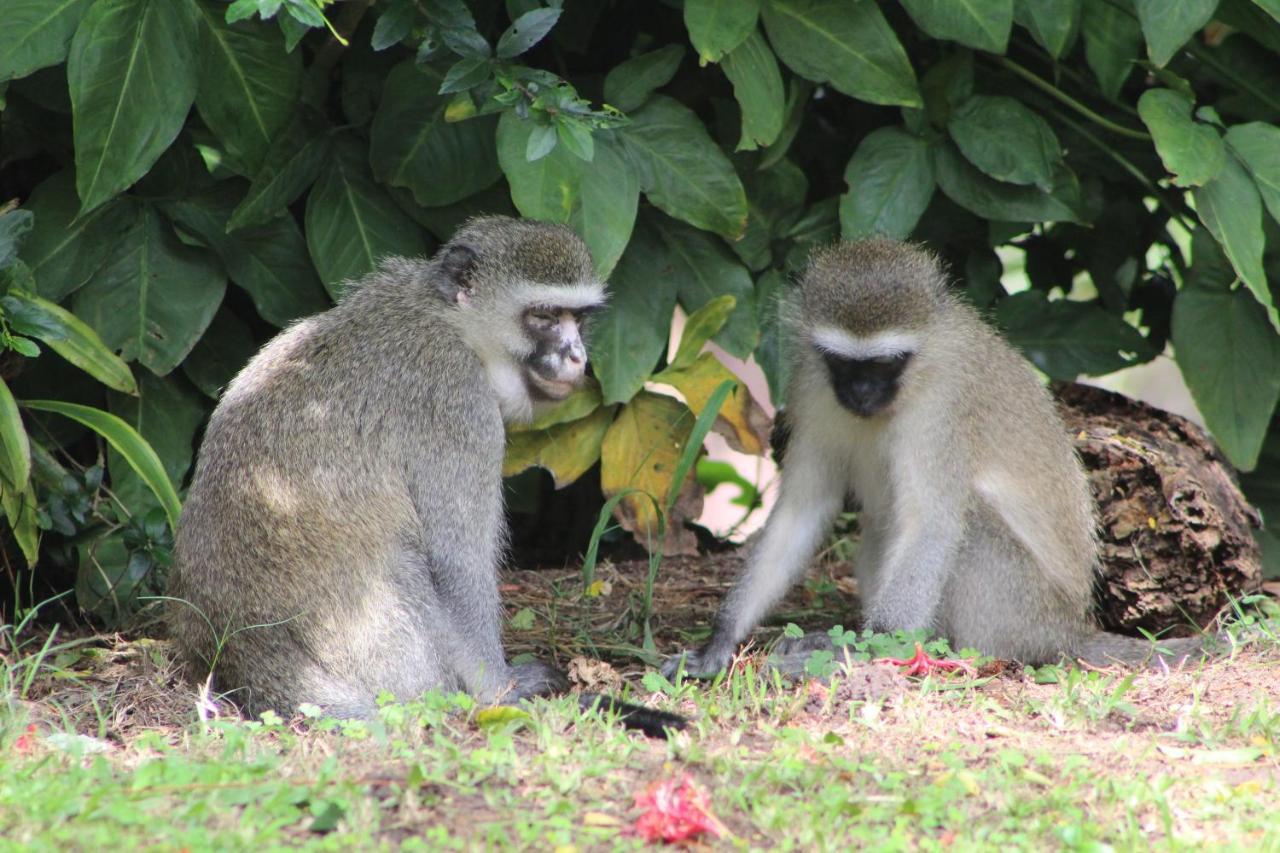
(1175, 534)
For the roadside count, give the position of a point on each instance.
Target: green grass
(1094, 761)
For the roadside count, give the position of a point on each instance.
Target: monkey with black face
(977, 522)
(344, 526)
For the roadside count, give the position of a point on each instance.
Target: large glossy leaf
(1066, 339)
(132, 78)
(249, 84)
(703, 268)
(1006, 140)
(1231, 209)
(1258, 147)
(1168, 26)
(566, 451)
(757, 86)
(980, 24)
(36, 34)
(1192, 152)
(1054, 24)
(290, 166)
(411, 145)
(640, 451)
(597, 199)
(167, 413)
(849, 45)
(1112, 39)
(14, 226)
(770, 354)
(682, 171)
(220, 354)
(70, 337)
(15, 446)
(742, 422)
(993, 199)
(352, 223)
(125, 440)
(630, 335)
(775, 198)
(63, 249)
(718, 26)
(154, 297)
(1229, 356)
(269, 261)
(891, 180)
(629, 84)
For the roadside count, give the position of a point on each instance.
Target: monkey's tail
(1103, 648)
(647, 720)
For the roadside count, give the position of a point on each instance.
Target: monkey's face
(865, 386)
(559, 358)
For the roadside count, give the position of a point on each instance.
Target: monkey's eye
(542, 317)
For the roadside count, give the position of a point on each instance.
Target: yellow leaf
(640, 451)
(566, 450)
(600, 819)
(596, 589)
(741, 420)
(460, 108)
(577, 405)
(500, 715)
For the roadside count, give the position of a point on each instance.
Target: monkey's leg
(805, 510)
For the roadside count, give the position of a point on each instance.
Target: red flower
(676, 810)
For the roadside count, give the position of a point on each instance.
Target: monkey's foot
(922, 664)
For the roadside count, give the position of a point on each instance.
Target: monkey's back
(305, 499)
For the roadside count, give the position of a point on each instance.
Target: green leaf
(891, 180)
(1229, 356)
(1065, 338)
(249, 84)
(411, 145)
(62, 250)
(1258, 147)
(220, 353)
(75, 341)
(980, 24)
(703, 268)
(270, 261)
(717, 27)
(1168, 26)
(132, 77)
(14, 225)
(1271, 7)
(1192, 152)
(1006, 140)
(36, 34)
(775, 199)
(126, 441)
(20, 507)
(757, 86)
(630, 335)
(15, 446)
(154, 297)
(992, 199)
(682, 171)
(1054, 24)
(291, 165)
(849, 45)
(699, 328)
(629, 84)
(597, 199)
(352, 223)
(1230, 208)
(771, 353)
(1111, 42)
(526, 31)
(167, 413)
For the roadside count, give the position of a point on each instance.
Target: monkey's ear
(457, 263)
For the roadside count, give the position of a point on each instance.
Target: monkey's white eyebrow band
(840, 343)
(562, 296)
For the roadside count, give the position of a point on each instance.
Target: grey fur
(977, 520)
(344, 527)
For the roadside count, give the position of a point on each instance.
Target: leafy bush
(1124, 153)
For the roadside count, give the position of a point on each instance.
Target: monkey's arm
(807, 505)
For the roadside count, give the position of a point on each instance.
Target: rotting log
(1175, 529)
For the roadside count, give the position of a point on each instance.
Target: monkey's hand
(536, 678)
(706, 662)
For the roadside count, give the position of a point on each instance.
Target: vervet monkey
(344, 527)
(977, 521)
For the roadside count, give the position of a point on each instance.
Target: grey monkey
(344, 527)
(977, 521)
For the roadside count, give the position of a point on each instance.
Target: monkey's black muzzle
(865, 386)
